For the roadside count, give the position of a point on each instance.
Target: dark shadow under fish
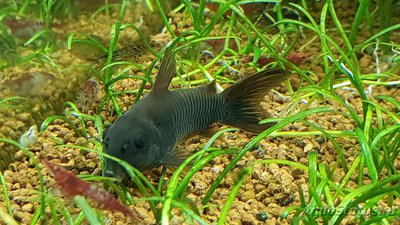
(146, 135)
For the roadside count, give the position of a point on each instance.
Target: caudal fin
(244, 97)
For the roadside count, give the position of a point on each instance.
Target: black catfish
(146, 135)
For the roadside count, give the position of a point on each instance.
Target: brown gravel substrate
(268, 190)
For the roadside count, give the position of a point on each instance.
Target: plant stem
(113, 44)
(357, 20)
(385, 13)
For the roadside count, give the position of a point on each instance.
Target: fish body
(146, 135)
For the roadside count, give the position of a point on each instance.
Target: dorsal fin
(211, 87)
(166, 72)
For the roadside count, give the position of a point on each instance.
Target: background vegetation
(376, 126)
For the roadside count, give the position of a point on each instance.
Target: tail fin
(244, 97)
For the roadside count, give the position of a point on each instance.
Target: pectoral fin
(175, 157)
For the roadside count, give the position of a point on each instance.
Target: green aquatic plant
(31, 23)
(76, 37)
(106, 70)
(174, 194)
(384, 10)
(235, 25)
(6, 197)
(9, 55)
(42, 195)
(379, 145)
(378, 140)
(81, 117)
(11, 102)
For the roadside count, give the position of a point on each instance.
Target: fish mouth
(113, 169)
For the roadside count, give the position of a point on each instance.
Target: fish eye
(139, 142)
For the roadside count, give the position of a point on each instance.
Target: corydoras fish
(146, 135)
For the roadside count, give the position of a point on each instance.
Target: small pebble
(12, 124)
(262, 216)
(29, 138)
(200, 185)
(20, 156)
(27, 207)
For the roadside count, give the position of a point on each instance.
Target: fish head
(136, 142)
